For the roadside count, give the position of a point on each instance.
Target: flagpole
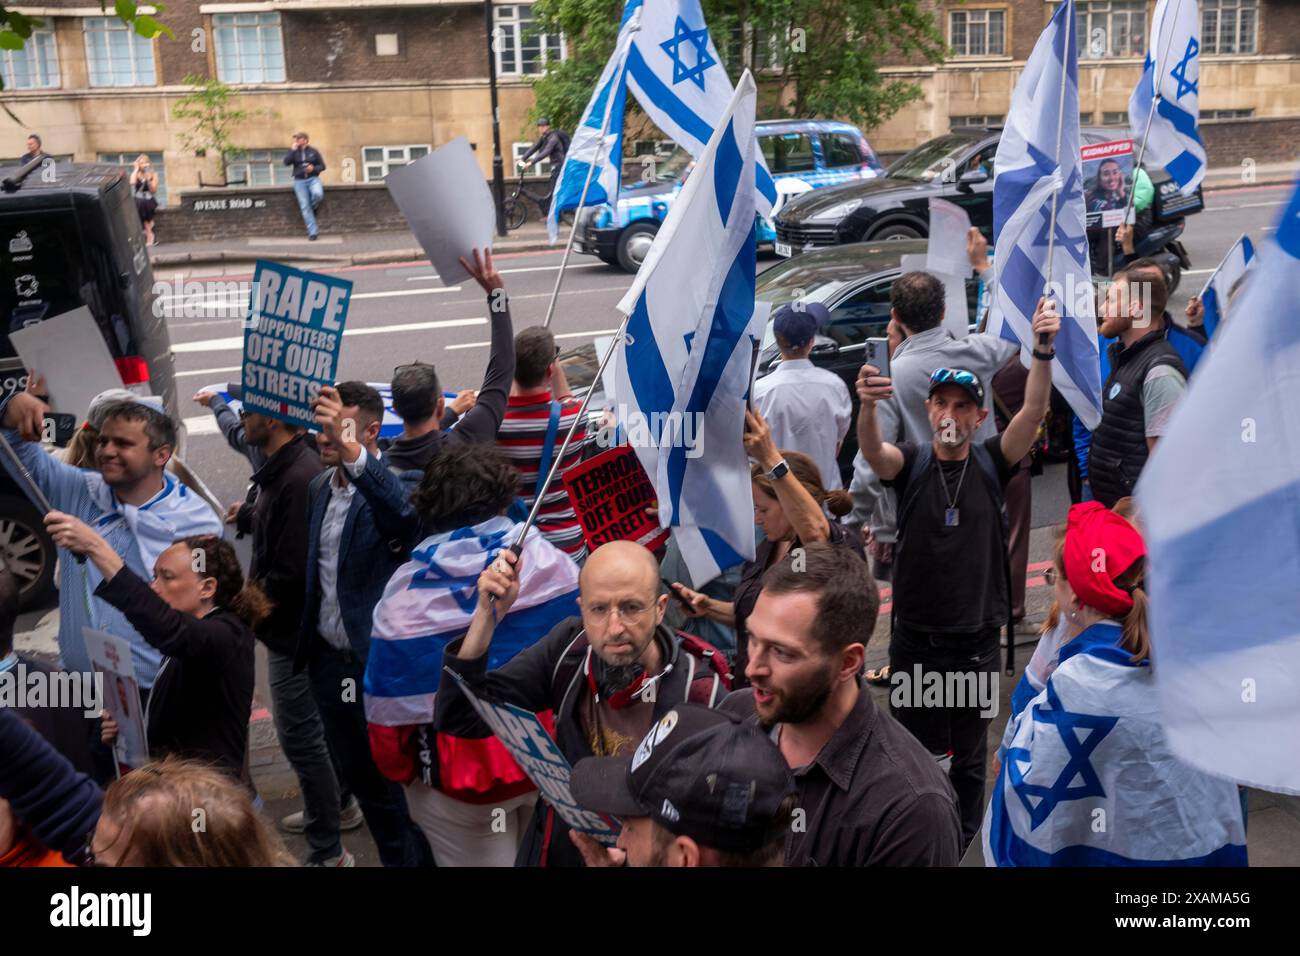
(1151, 112)
(591, 171)
(1060, 129)
(578, 419)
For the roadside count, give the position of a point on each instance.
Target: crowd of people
(730, 724)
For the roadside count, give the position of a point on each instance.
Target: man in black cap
(951, 594)
(701, 789)
(552, 144)
(807, 408)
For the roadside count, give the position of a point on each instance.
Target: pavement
(368, 248)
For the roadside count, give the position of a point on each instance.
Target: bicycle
(516, 206)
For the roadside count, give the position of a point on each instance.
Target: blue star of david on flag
(1076, 245)
(699, 39)
(1078, 766)
(1179, 72)
(463, 587)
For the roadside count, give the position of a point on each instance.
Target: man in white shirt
(807, 408)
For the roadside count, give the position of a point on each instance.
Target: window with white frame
(250, 47)
(976, 119)
(1229, 26)
(116, 55)
(260, 167)
(520, 49)
(977, 32)
(1111, 28)
(155, 161)
(1114, 118)
(1226, 114)
(748, 47)
(35, 66)
(517, 151)
(379, 161)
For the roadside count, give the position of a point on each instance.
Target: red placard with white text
(609, 494)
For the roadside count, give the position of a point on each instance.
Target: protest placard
(1107, 181)
(609, 494)
(945, 253)
(446, 202)
(111, 657)
(538, 756)
(69, 352)
(291, 340)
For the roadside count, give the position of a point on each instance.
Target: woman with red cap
(1087, 777)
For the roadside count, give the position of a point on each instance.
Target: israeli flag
(1171, 80)
(598, 140)
(674, 71)
(1220, 499)
(1031, 170)
(683, 368)
(1229, 272)
(1088, 778)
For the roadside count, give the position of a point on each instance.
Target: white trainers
(349, 819)
(343, 859)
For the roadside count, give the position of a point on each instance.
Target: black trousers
(951, 729)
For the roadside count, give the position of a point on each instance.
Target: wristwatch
(1045, 356)
(779, 471)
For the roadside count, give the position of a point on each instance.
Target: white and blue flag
(1171, 78)
(683, 368)
(1088, 777)
(674, 70)
(1220, 500)
(598, 140)
(1218, 289)
(1030, 171)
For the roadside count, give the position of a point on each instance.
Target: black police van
(70, 236)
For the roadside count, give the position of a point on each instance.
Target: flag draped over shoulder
(1220, 499)
(429, 602)
(1088, 777)
(589, 147)
(674, 71)
(1219, 287)
(683, 369)
(1030, 170)
(1171, 77)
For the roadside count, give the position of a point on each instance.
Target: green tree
(820, 58)
(209, 106)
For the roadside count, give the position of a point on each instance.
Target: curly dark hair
(220, 562)
(917, 298)
(463, 485)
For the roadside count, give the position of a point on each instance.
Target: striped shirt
(521, 438)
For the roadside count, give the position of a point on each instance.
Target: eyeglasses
(629, 611)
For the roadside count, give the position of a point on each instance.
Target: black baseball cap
(699, 773)
(796, 323)
(960, 377)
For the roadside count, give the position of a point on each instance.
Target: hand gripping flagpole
(633, 26)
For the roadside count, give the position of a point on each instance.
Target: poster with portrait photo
(1107, 182)
(111, 657)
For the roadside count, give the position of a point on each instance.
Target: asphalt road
(402, 313)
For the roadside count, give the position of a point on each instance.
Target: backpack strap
(548, 448)
(704, 688)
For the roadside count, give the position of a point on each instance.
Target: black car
(852, 281)
(70, 236)
(957, 167)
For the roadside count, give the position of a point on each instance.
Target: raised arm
(801, 509)
(481, 422)
(22, 419)
(885, 459)
(1019, 435)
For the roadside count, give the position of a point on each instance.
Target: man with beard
(129, 499)
(869, 793)
(951, 579)
(607, 676)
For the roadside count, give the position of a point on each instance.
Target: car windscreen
(793, 279)
(929, 160)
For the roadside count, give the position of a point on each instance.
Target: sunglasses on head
(955, 376)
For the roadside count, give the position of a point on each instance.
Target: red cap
(1099, 547)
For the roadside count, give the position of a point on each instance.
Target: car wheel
(634, 244)
(897, 231)
(609, 258)
(26, 551)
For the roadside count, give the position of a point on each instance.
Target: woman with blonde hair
(144, 185)
(790, 505)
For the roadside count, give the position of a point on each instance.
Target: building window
(1226, 114)
(116, 55)
(520, 50)
(1111, 28)
(379, 161)
(517, 151)
(1109, 118)
(127, 160)
(259, 167)
(1229, 26)
(250, 48)
(386, 44)
(977, 32)
(35, 66)
(976, 119)
(746, 46)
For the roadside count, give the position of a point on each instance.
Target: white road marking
(236, 343)
(1246, 205)
(510, 272)
(563, 335)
